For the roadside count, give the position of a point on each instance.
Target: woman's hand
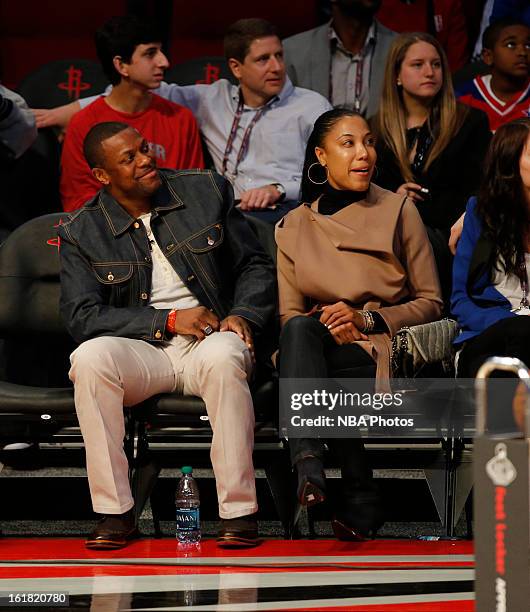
(347, 333)
(343, 322)
(412, 191)
(456, 231)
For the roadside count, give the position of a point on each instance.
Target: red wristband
(171, 320)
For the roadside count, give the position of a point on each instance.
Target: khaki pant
(109, 373)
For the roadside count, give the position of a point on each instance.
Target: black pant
(506, 338)
(308, 350)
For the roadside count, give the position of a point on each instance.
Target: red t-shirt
(170, 129)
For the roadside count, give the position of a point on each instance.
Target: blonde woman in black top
(429, 146)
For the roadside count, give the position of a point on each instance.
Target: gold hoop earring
(309, 174)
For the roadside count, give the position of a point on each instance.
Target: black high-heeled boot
(311, 488)
(359, 513)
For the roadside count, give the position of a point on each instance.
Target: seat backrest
(29, 278)
(36, 344)
(61, 82)
(200, 70)
(30, 184)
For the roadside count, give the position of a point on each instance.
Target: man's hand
(239, 326)
(343, 322)
(456, 232)
(193, 321)
(261, 197)
(412, 191)
(59, 116)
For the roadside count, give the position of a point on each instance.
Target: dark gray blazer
(308, 61)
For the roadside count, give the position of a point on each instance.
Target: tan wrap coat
(373, 254)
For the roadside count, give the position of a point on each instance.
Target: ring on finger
(207, 330)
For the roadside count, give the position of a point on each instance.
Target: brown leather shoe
(113, 531)
(240, 532)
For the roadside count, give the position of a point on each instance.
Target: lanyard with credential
(359, 83)
(246, 135)
(359, 70)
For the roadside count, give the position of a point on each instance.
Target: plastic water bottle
(187, 505)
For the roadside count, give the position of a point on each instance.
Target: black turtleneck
(333, 200)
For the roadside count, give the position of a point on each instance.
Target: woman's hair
(390, 123)
(323, 125)
(501, 205)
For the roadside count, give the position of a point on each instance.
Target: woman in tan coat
(354, 266)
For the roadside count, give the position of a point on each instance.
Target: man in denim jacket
(163, 284)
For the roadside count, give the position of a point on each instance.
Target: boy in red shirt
(504, 94)
(132, 59)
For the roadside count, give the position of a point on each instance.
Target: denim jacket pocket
(113, 273)
(207, 239)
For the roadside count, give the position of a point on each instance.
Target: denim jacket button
(191, 277)
(110, 276)
(158, 334)
(147, 259)
(144, 295)
(169, 246)
(136, 225)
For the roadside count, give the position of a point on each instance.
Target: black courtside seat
(36, 398)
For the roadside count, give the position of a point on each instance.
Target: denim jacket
(106, 261)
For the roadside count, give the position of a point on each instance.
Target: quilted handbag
(415, 349)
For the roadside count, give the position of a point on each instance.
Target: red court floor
(381, 575)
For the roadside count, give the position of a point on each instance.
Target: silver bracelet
(369, 321)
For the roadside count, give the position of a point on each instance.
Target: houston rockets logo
(74, 84)
(211, 74)
(56, 242)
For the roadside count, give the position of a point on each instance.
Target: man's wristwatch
(281, 190)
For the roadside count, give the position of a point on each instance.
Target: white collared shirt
(344, 67)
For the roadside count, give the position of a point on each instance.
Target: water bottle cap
(187, 469)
